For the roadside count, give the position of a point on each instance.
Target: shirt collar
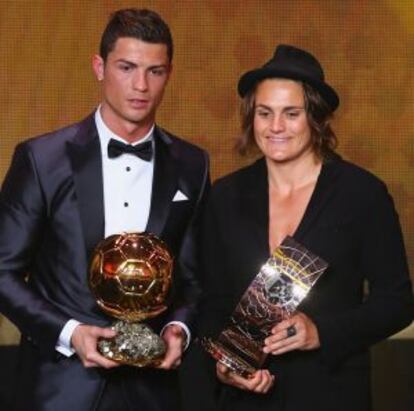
(105, 133)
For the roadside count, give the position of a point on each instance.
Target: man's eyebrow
(162, 65)
(121, 60)
(133, 64)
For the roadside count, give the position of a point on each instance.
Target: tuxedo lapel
(324, 189)
(85, 156)
(254, 205)
(164, 184)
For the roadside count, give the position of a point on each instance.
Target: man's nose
(140, 81)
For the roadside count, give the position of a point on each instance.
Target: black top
(351, 223)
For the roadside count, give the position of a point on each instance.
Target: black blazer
(51, 218)
(351, 223)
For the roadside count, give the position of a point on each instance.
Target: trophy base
(228, 358)
(135, 344)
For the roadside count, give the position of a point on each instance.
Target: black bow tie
(117, 148)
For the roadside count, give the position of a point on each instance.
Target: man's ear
(98, 66)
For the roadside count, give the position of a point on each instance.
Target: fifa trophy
(282, 283)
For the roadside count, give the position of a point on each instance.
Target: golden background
(365, 46)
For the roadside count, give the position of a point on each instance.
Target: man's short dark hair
(141, 24)
(319, 115)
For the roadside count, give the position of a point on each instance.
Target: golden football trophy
(130, 276)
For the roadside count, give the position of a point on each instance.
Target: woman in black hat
(318, 359)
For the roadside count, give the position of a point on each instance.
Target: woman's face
(281, 127)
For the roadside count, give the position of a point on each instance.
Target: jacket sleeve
(389, 304)
(23, 217)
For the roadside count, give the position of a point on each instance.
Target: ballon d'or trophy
(130, 276)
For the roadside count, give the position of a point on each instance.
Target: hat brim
(249, 79)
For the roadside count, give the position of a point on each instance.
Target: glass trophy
(275, 293)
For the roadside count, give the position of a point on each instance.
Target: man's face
(134, 78)
(281, 127)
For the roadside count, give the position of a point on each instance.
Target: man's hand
(175, 338)
(84, 341)
(296, 333)
(261, 381)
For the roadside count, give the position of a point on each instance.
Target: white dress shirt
(124, 210)
(123, 178)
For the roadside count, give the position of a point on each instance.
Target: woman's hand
(261, 381)
(296, 333)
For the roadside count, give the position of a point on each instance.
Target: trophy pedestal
(135, 344)
(228, 358)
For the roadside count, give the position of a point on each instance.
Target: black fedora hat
(291, 63)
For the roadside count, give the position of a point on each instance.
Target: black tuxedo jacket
(351, 223)
(51, 218)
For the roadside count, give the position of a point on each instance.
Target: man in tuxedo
(114, 171)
